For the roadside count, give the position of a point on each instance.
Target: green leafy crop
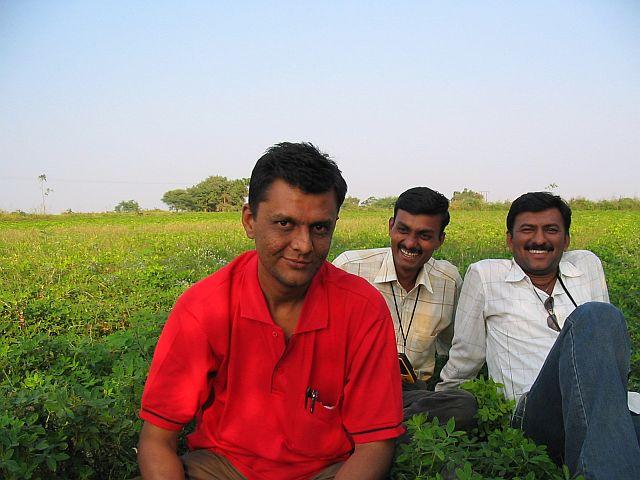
(492, 451)
(83, 299)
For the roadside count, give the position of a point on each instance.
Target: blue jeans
(578, 404)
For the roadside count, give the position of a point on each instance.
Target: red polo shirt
(223, 361)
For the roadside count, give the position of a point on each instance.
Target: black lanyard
(395, 302)
(567, 291)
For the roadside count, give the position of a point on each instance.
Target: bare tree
(42, 178)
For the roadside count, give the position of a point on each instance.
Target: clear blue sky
(125, 100)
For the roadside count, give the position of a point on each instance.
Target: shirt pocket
(319, 434)
(420, 342)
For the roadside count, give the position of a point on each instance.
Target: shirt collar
(315, 310)
(516, 274)
(387, 272)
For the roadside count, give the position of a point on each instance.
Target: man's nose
(410, 241)
(539, 237)
(301, 241)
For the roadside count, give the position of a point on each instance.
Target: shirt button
(274, 333)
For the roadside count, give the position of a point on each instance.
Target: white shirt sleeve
(468, 350)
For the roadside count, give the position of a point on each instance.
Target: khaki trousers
(206, 465)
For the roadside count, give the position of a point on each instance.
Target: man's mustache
(411, 250)
(535, 246)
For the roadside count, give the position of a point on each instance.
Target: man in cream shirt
(543, 324)
(421, 293)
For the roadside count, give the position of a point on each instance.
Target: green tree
(383, 203)
(368, 201)
(179, 200)
(214, 194)
(467, 199)
(351, 202)
(127, 206)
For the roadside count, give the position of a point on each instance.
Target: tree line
(220, 194)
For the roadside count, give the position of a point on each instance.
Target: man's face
(538, 240)
(292, 231)
(414, 238)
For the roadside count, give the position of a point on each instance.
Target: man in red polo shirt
(286, 363)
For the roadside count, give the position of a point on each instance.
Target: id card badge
(407, 372)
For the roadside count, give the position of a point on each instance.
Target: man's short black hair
(538, 202)
(302, 166)
(424, 201)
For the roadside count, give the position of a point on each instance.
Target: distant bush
(574, 203)
(579, 203)
(127, 206)
(385, 203)
(467, 199)
(350, 203)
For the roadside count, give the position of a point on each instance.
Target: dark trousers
(459, 404)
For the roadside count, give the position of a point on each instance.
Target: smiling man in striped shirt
(421, 293)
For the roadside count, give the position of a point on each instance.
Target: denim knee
(597, 318)
(597, 328)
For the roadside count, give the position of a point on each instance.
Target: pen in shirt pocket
(313, 396)
(310, 394)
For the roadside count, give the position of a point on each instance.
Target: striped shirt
(436, 288)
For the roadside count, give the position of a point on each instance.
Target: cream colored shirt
(432, 327)
(501, 319)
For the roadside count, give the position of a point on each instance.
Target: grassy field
(82, 299)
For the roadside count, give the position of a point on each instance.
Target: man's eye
(283, 223)
(320, 228)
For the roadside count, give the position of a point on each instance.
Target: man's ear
(510, 241)
(567, 241)
(248, 219)
(443, 236)
(391, 222)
